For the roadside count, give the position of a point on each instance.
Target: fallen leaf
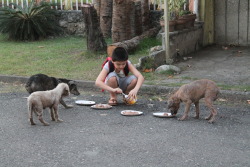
(170, 76)
(148, 70)
(220, 99)
(160, 99)
(40, 46)
(248, 101)
(224, 47)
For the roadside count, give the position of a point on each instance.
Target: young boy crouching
(115, 77)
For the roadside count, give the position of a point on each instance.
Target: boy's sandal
(112, 102)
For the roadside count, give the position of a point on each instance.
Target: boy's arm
(140, 80)
(100, 82)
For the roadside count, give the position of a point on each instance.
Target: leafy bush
(31, 22)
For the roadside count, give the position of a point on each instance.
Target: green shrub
(31, 22)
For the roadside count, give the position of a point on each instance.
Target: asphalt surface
(97, 138)
(224, 65)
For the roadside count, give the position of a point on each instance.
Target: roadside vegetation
(60, 57)
(67, 57)
(30, 22)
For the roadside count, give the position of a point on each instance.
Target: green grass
(60, 57)
(235, 88)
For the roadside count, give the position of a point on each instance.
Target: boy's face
(119, 65)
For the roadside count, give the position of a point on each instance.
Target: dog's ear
(59, 81)
(66, 91)
(176, 100)
(72, 82)
(172, 93)
(170, 102)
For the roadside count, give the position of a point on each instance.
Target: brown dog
(40, 100)
(192, 93)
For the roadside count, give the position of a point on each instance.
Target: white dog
(40, 100)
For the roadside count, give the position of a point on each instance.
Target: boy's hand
(117, 90)
(133, 93)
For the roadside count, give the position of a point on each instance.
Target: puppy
(40, 100)
(42, 82)
(192, 93)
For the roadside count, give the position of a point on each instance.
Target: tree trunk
(97, 5)
(119, 21)
(145, 15)
(138, 18)
(106, 17)
(130, 45)
(131, 13)
(95, 40)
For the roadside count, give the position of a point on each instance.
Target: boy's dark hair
(120, 54)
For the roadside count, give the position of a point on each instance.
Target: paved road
(229, 66)
(98, 138)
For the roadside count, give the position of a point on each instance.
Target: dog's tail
(30, 110)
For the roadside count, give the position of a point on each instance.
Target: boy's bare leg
(112, 82)
(131, 86)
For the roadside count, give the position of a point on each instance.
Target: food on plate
(131, 112)
(101, 106)
(167, 114)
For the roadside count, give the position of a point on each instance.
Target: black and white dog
(42, 82)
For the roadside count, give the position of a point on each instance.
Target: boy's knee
(112, 80)
(133, 82)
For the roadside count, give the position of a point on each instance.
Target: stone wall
(182, 43)
(72, 22)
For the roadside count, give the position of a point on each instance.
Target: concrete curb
(145, 89)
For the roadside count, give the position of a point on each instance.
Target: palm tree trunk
(95, 40)
(145, 15)
(119, 21)
(97, 5)
(131, 13)
(106, 17)
(138, 18)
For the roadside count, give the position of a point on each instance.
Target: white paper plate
(163, 114)
(101, 106)
(131, 112)
(84, 102)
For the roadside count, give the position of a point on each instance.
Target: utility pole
(166, 28)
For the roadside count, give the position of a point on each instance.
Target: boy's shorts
(123, 82)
